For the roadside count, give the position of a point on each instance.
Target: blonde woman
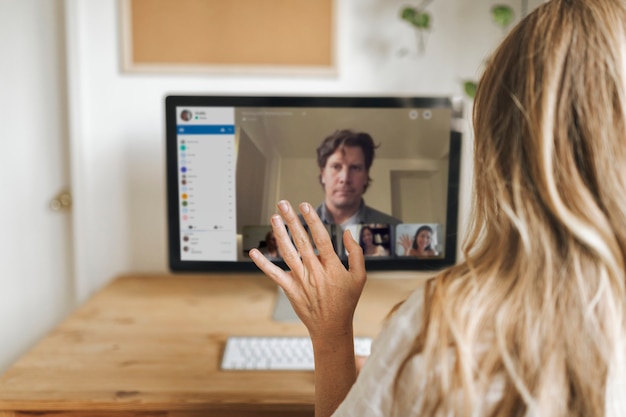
(532, 321)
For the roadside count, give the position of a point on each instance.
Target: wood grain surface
(151, 345)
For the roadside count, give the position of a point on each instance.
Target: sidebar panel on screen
(206, 161)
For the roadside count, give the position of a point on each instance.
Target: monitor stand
(283, 311)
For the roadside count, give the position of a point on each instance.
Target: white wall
(35, 257)
(120, 129)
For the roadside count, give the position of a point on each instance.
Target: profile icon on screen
(186, 115)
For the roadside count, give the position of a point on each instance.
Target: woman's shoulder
(404, 321)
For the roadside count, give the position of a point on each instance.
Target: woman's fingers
(299, 235)
(288, 252)
(279, 276)
(323, 293)
(318, 232)
(356, 260)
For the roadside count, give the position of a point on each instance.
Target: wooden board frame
(145, 51)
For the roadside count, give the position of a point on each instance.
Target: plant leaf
(421, 20)
(470, 88)
(408, 13)
(502, 14)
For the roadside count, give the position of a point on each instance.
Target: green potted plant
(421, 20)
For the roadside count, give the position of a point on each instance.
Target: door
(35, 255)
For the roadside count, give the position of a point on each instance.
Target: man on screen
(344, 159)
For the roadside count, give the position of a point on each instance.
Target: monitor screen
(385, 168)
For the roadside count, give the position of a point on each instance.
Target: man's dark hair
(342, 138)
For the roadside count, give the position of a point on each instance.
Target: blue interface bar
(205, 129)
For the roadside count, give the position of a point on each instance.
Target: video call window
(233, 163)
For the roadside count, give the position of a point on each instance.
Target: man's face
(344, 178)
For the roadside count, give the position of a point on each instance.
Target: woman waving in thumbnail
(420, 245)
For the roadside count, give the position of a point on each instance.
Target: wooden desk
(151, 346)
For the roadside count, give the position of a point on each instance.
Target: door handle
(62, 201)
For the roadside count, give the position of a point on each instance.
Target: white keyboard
(291, 353)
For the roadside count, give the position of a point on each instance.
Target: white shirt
(372, 394)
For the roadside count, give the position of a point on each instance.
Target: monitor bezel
(176, 264)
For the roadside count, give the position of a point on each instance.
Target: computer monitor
(230, 159)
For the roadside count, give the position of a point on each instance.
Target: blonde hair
(538, 305)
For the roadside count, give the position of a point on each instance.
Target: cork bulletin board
(251, 36)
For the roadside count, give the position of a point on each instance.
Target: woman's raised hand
(323, 293)
(406, 243)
